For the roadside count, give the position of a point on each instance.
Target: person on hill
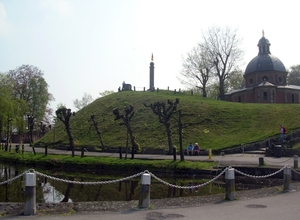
(282, 133)
(196, 149)
(190, 149)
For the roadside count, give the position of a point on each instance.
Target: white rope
(89, 183)
(263, 176)
(187, 187)
(14, 178)
(139, 174)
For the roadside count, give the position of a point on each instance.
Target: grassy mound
(214, 124)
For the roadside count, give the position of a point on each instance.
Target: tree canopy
(293, 77)
(196, 70)
(218, 53)
(86, 99)
(12, 110)
(30, 86)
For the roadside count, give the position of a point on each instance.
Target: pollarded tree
(293, 77)
(30, 86)
(165, 111)
(196, 70)
(64, 115)
(126, 118)
(221, 45)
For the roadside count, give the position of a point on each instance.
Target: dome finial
(263, 33)
(152, 57)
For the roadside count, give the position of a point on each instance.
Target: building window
(251, 81)
(265, 96)
(279, 79)
(293, 98)
(265, 78)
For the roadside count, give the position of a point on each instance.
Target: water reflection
(53, 191)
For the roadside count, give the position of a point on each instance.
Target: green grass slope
(215, 124)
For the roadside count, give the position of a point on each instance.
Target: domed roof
(264, 61)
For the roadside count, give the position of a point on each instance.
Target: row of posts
(144, 196)
(157, 90)
(17, 147)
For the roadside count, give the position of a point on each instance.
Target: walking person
(282, 133)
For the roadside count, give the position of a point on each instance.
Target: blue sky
(94, 45)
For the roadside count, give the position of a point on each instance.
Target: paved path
(226, 160)
(277, 207)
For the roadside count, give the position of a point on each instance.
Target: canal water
(50, 190)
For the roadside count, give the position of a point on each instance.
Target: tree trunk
(131, 140)
(221, 89)
(170, 142)
(71, 139)
(98, 133)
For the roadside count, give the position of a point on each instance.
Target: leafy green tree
(293, 77)
(30, 86)
(235, 80)
(86, 99)
(213, 90)
(11, 110)
(106, 92)
(5, 102)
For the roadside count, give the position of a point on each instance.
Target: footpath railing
(144, 196)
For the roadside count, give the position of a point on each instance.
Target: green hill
(223, 124)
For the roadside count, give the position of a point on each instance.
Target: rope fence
(146, 172)
(144, 202)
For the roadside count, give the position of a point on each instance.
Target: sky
(94, 45)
